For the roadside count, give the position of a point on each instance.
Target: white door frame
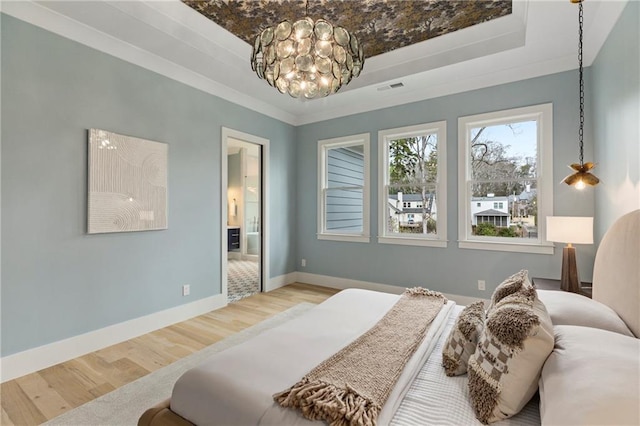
(224, 179)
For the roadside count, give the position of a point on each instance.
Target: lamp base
(569, 280)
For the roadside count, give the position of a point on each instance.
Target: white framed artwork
(127, 183)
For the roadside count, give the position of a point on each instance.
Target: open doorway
(243, 257)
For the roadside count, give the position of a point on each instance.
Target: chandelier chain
(581, 129)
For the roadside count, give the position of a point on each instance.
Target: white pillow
(592, 377)
(573, 309)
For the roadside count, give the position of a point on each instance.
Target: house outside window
(343, 188)
(505, 179)
(412, 185)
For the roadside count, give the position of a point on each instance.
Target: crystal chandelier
(582, 171)
(307, 59)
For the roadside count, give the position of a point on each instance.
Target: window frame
(324, 145)
(384, 137)
(543, 115)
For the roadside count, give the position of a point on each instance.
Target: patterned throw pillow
(462, 340)
(511, 285)
(506, 366)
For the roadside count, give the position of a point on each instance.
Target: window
(413, 173)
(343, 188)
(505, 179)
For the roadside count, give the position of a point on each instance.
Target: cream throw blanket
(351, 386)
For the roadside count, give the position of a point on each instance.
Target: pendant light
(582, 175)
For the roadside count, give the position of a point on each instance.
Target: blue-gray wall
(616, 93)
(451, 270)
(57, 281)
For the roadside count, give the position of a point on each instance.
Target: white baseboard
(344, 283)
(281, 281)
(31, 360)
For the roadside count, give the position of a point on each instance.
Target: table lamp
(570, 230)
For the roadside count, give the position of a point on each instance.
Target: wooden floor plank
(5, 420)
(102, 389)
(73, 389)
(18, 406)
(44, 397)
(41, 396)
(147, 357)
(127, 372)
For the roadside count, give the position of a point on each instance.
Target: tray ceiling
(381, 26)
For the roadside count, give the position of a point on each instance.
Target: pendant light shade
(582, 176)
(582, 171)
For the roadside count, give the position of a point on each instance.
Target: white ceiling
(170, 38)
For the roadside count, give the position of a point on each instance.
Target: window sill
(511, 247)
(344, 238)
(405, 241)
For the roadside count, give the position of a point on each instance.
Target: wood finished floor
(41, 396)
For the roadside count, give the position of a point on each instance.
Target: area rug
(242, 279)
(125, 405)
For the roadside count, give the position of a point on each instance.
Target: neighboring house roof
(488, 198)
(527, 196)
(394, 208)
(523, 196)
(491, 212)
(411, 210)
(410, 197)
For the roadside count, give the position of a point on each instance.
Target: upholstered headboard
(616, 272)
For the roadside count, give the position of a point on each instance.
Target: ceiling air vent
(391, 86)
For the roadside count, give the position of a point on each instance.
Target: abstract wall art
(127, 183)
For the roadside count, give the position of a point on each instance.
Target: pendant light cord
(581, 129)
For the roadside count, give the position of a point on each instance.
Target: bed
(598, 337)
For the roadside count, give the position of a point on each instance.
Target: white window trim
(543, 114)
(384, 136)
(343, 142)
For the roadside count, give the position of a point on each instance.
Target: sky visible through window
(519, 139)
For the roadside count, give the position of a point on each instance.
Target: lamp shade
(570, 229)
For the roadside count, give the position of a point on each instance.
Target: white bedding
(235, 387)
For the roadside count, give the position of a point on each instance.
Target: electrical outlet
(481, 285)
(186, 290)
(304, 263)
